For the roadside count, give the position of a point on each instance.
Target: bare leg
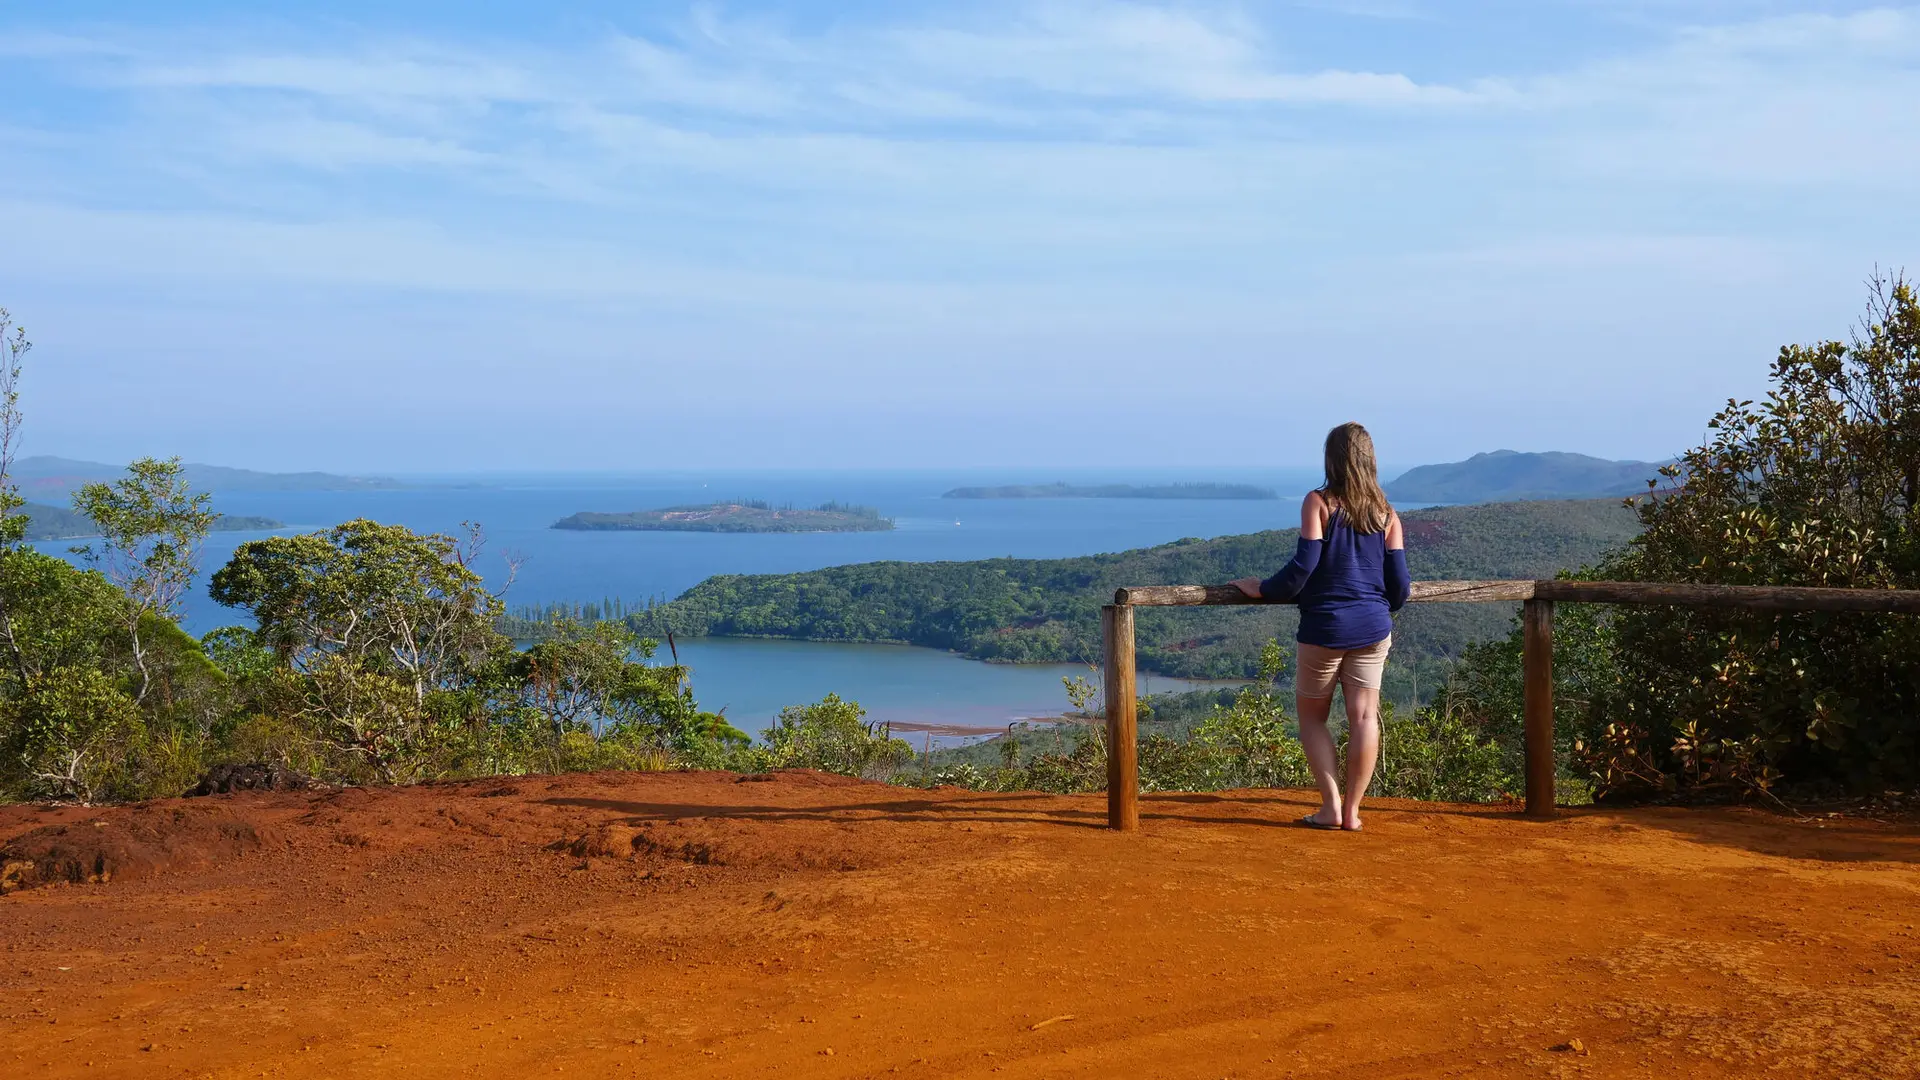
(1322, 757)
(1363, 747)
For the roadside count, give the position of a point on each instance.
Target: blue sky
(448, 236)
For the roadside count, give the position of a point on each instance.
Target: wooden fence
(1537, 599)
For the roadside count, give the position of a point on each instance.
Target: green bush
(1435, 755)
(1248, 742)
(834, 735)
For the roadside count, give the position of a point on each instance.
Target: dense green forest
(1047, 610)
(529, 622)
(58, 523)
(1506, 476)
(1114, 491)
(743, 516)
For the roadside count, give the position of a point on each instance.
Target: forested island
(746, 516)
(58, 523)
(1114, 491)
(1048, 610)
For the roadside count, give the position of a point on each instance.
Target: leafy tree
(13, 526)
(390, 631)
(151, 527)
(1816, 484)
(381, 595)
(63, 710)
(593, 680)
(575, 675)
(15, 346)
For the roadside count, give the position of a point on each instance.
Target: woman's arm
(1292, 577)
(1399, 581)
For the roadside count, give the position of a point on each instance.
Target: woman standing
(1348, 574)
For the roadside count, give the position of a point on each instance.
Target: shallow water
(753, 679)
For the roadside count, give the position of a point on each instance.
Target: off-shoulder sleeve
(1292, 577)
(1399, 581)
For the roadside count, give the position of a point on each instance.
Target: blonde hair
(1353, 479)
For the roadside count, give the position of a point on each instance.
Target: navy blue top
(1347, 585)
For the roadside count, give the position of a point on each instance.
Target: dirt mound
(126, 843)
(726, 842)
(225, 779)
(809, 778)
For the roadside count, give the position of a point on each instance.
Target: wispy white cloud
(1047, 105)
(1055, 169)
(1054, 71)
(1786, 100)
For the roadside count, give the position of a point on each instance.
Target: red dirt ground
(693, 925)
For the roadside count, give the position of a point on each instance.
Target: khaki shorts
(1356, 669)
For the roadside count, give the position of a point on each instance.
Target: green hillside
(1040, 610)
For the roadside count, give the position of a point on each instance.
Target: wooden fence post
(1123, 765)
(1537, 678)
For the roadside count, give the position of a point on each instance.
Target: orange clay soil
(703, 925)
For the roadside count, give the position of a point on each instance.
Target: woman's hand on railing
(1248, 585)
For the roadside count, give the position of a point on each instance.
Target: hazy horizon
(432, 237)
(1024, 472)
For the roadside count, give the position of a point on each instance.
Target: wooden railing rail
(1538, 597)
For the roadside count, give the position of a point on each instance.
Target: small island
(1114, 491)
(746, 516)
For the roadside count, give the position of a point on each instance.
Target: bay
(918, 690)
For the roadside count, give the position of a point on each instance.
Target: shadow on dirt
(1822, 837)
(1265, 808)
(983, 810)
(1833, 839)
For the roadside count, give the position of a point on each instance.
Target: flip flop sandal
(1312, 824)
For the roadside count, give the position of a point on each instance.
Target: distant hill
(58, 523)
(741, 517)
(1114, 491)
(57, 475)
(1510, 476)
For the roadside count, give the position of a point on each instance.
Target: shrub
(834, 735)
(1252, 742)
(1436, 755)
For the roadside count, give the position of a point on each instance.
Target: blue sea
(753, 679)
